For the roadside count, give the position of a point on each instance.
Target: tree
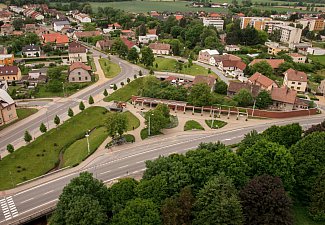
(309, 156)
(116, 124)
(105, 93)
(120, 48)
(284, 67)
(128, 80)
(138, 212)
(147, 57)
(315, 128)
(122, 192)
(178, 209)
(57, 120)
(200, 95)
(217, 203)
(249, 140)
(244, 98)
(91, 100)
(157, 121)
(55, 73)
(81, 106)
(317, 198)
(263, 100)
(10, 148)
(133, 55)
(275, 35)
(140, 73)
(27, 137)
(70, 112)
(18, 24)
(84, 200)
(262, 67)
(43, 128)
(286, 135)
(220, 87)
(114, 87)
(266, 157)
(265, 201)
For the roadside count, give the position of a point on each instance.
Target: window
(73, 79)
(298, 88)
(293, 82)
(79, 73)
(86, 78)
(79, 78)
(299, 83)
(292, 87)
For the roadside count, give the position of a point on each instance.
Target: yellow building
(273, 48)
(257, 22)
(7, 59)
(10, 73)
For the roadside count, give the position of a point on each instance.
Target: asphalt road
(123, 161)
(61, 109)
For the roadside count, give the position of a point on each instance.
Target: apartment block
(314, 24)
(210, 21)
(257, 22)
(289, 34)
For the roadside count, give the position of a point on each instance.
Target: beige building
(77, 53)
(289, 35)
(314, 24)
(321, 87)
(79, 72)
(160, 48)
(298, 58)
(206, 54)
(262, 81)
(273, 48)
(7, 108)
(10, 73)
(295, 80)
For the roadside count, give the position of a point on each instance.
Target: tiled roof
(9, 70)
(82, 34)
(159, 46)
(209, 80)
(31, 48)
(284, 94)
(296, 55)
(128, 43)
(106, 43)
(235, 87)
(56, 38)
(274, 63)
(5, 98)
(258, 78)
(75, 47)
(296, 75)
(77, 65)
(152, 31)
(229, 57)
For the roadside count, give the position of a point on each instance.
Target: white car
(111, 86)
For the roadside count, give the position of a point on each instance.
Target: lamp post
(63, 89)
(149, 125)
(47, 120)
(87, 137)
(212, 119)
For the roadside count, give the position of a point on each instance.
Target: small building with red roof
(296, 80)
(57, 39)
(263, 81)
(79, 72)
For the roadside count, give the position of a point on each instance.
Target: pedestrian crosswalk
(8, 208)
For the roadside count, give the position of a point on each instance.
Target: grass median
(109, 68)
(125, 93)
(192, 125)
(42, 155)
(216, 124)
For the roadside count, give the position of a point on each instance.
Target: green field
(42, 155)
(78, 151)
(216, 124)
(192, 125)
(125, 93)
(318, 58)
(22, 113)
(169, 65)
(109, 68)
(133, 121)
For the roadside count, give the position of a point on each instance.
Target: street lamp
(63, 89)
(212, 119)
(87, 137)
(149, 125)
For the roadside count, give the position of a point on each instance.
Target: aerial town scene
(162, 112)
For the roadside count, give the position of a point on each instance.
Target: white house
(295, 79)
(206, 56)
(160, 48)
(83, 18)
(77, 53)
(3, 85)
(232, 48)
(147, 38)
(36, 73)
(58, 25)
(298, 58)
(31, 51)
(315, 51)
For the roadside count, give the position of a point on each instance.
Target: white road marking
(27, 200)
(123, 166)
(38, 206)
(105, 172)
(48, 192)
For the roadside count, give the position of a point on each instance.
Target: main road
(20, 203)
(12, 136)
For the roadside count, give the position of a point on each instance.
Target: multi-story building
(315, 51)
(314, 24)
(298, 58)
(6, 59)
(147, 38)
(77, 53)
(273, 48)
(295, 79)
(10, 73)
(216, 22)
(206, 54)
(257, 22)
(289, 34)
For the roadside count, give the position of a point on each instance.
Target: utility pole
(87, 137)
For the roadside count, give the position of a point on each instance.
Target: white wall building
(217, 23)
(315, 51)
(58, 25)
(83, 18)
(289, 34)
(147, 38)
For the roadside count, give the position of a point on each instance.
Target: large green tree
(84, 200)
(309, 156)
(147, 56)
(116, 124)
(244, 98)
(317, 198)
(263, 100)
(218, 203)
(200, 95)
(133, 55)
(138, 212)
(263, 67)
(265, 202)
(266, 157)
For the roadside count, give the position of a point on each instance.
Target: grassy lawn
(22, 113)
(169, 65)
(144, 133)
(125, 93)
(216, 123)
(133, 121)
(318, 58)
(78, 151)
(301, 216)
(192, 125)
(110, 69)
(129, 138)
(42, 155)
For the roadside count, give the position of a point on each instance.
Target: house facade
(10, 73)
(262, 81)
(7, 108)
(59, 25)
(77, 53)
(6, 29)
(315, 51)
(232, 48)
(298, 58)
(147, 38)
(215, 22)
(321, 87)
(31, 51)
(160, 48)
(79, 72)
(206, 54)
(6, 59)
(295, 80)
(104, 45)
